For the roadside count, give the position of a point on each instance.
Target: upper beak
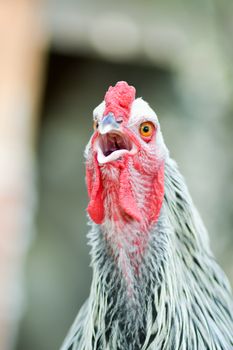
(107, 124)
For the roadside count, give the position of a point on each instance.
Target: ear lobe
(158, 192)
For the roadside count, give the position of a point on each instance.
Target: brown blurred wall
(21, 63)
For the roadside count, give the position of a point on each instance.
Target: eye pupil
(146, 128)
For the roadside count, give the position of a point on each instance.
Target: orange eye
(146, 129)
(95, 125)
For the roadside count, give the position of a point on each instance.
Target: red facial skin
(126, 198)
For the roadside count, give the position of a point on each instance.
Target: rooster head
(125, 160)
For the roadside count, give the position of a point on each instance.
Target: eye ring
(146, 129)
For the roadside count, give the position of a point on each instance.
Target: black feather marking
(159, 293)
(151, 339)
(142, 336)
(197, 263)
(166, 311)
(180, 206)
(188, 227)
(178, 196)
(181, 336)
(154, 311)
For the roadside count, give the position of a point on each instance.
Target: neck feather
(176, 275)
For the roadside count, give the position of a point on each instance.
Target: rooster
(156, 284)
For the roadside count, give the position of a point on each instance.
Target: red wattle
(94, 187)
(126, 196)
(158, 194)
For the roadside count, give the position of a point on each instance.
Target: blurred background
(57, 59)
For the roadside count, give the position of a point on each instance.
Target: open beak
(112, 143)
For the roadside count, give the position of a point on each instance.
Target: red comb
(118, 100)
